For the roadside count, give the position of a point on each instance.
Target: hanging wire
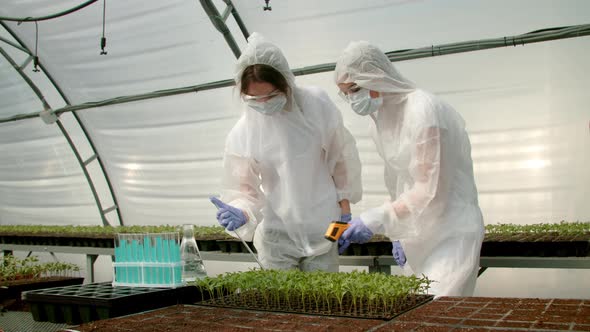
(103, 40)
(36, 57)
(48, 17)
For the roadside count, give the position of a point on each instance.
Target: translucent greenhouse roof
(142, 121)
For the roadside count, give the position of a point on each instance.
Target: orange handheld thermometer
(335, 230)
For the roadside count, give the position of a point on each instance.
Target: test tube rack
(147, 260)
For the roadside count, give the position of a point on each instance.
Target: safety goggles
(261, 98)
(350, 92)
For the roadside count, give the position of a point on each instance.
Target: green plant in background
(563, 228)
(218, 232)
(323, 292)
(200, 231)
(12, 268)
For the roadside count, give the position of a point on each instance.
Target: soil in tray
(191, 318)
(348, 307)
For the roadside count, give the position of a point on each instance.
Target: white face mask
(362, 103)
(273, 105)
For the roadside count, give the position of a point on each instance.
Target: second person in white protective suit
(433, 210)
(291, 166)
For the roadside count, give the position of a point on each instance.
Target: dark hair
(263, 73)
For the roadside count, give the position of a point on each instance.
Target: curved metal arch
(71, 143)
(26, 78)
(218, 22)
(50, 16)
(400, 55)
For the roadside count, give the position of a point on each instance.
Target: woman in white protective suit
(433, 210)
(291, 166)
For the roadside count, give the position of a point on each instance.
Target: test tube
(165, 258)
(147, 258)
(153, 250)
(117, 258)
(123, 258)
(175, 258)
(159, 258)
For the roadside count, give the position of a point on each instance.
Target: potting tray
(443, 314)
(256, 301)
(12, 290)
(85, 303)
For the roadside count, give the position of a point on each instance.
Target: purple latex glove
(228, 216)
(346, 217)
(398, 253)
(357, 232)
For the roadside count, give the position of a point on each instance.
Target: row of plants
(358, 294)
(214, 238)
(13, 269)
(203, 231)
(558, 232)
(562, 227)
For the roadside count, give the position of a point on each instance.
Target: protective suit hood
(261, 51)
(368, 67)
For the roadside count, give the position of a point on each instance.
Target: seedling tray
(259, 301)
(12, 290)
(85, 303)
(234, 246)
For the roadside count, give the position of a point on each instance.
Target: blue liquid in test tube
(123, 259)
(159, 259)
(147, 256)
(117, 258)
(175, 258)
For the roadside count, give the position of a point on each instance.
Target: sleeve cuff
(374, 219)
(246, 231)
(343, 195)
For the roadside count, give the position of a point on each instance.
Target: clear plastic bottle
(192, 263)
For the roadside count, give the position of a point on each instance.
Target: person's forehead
(260, 88)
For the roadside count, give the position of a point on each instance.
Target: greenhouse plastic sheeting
(312, 32)
(40, 180)
(525, 107)
(164, 155)
(16, 96)
(151, 45)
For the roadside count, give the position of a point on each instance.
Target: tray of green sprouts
(354, 294)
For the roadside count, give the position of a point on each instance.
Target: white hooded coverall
(428, 172)
(289, 170)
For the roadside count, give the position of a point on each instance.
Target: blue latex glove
(398, 253)
(346, 217)
(228, 216)
(357, 232)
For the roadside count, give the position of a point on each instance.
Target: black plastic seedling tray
(85, 303)
(12, 290)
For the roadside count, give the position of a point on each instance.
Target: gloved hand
(398, 253)
(228, 216)
(357, 232)
(346, 217)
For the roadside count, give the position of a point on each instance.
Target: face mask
(269, 107)
(362, 103)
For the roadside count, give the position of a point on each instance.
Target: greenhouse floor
(22, 321)
(444, 314)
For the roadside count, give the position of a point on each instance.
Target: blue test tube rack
(147, 260)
